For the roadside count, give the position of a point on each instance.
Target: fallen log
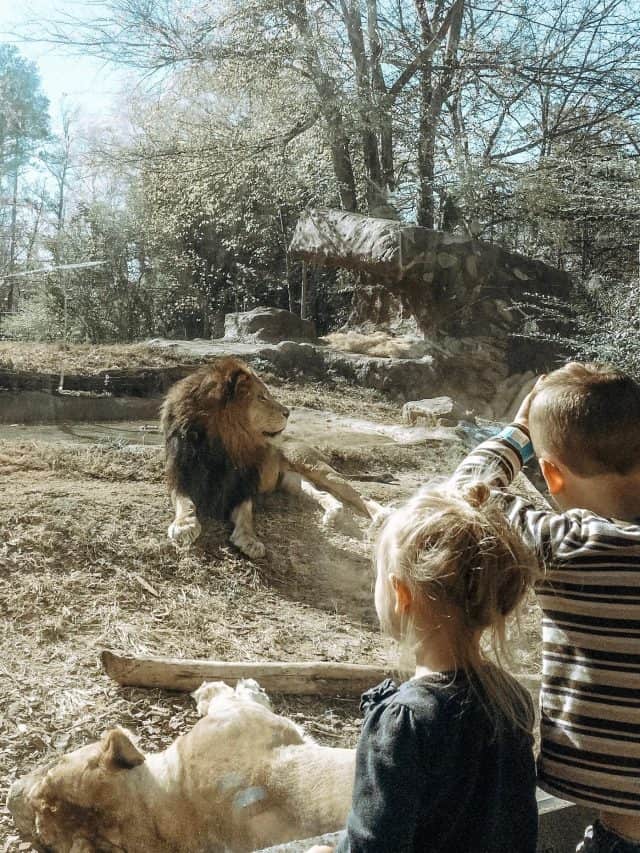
(320, 678)
(317, 678)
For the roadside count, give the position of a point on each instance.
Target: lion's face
(230, 402)
(256, 408)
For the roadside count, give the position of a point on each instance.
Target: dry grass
(335, 396)
(81, 527)
(86, 359)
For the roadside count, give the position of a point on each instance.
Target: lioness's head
(83, 803)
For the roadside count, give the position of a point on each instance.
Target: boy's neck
(612, 496)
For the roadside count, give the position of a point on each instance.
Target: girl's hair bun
(476, 494)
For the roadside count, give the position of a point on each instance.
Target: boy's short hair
(589, 416)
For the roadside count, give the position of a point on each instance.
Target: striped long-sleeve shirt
(590, 598)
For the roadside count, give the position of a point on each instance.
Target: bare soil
(85, 565)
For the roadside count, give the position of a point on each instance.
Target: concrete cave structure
(456, 288)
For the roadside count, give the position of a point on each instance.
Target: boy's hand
(319, 848)
(522, 415)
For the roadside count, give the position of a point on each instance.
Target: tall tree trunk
(367, 112)
(386, 151)
(304, 291)
(341, 159)
(61, 194)
(13, 234)
(383, 107)
(330, 107)
(434, 91)
(287, 262)
(36, 228)
(426, 150)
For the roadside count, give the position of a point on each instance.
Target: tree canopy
(517, 123)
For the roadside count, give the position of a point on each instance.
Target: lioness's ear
(235, 381)
(119, 751)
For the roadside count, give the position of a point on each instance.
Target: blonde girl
(445, 761)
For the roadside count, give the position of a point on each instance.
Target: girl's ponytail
(475, 493)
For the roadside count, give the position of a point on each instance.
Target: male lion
(220, 424)
(243, 778)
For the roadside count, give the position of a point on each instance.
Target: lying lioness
(243, 778)
(219, 425)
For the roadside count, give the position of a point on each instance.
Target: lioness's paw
(249, 545)
(184, 532)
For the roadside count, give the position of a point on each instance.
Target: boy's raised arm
(498, 461)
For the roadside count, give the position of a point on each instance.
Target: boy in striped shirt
(584, 423)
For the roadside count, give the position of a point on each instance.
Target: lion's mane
(211, 455)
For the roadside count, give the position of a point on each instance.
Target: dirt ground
(85, 565)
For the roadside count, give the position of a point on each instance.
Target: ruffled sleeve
(377, 694)
(389, 788)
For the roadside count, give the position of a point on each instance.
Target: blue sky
(88, 82)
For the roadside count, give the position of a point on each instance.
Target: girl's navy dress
(436, 774)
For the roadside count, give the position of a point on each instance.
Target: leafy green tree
(24, 124)
(516, 122)
(111, 302)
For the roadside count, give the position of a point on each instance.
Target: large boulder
(270, 325)
(436, 411)
(471, 381)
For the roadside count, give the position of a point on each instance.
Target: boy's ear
(402, 593)
(553, 476)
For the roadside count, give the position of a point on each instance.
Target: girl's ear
(402, 594)
(553, 476)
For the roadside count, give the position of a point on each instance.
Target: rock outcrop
(435, 411)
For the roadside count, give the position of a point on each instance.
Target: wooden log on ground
(321, 678)
(560, 827)
(316, 678)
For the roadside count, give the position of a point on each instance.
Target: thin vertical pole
(64, 336)
(304, 288)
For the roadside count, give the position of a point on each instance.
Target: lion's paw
(184, 532)
(249, 545)
(377, 512)
(336, 515)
